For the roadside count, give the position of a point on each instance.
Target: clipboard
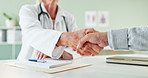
(59, 69)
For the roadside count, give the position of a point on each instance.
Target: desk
(100, 69)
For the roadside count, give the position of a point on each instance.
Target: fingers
(77, 35)
(97, 48)
(83, 53)
(38, 54)
(82, 41)
(45, 56)
(90, 49)
(66, 56)
(89, 30)
(41, 55)
(92, 38)
(87, 50)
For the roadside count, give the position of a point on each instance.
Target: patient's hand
(99, 38)
(64, 56)
(96, 41)
(90, 50)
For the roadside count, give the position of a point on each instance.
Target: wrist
(63, 40)
(105, 37)
(102, 36)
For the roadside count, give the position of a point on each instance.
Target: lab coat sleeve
(129, 39)
(43, 40)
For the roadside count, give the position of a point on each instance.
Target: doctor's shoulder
(29, 9)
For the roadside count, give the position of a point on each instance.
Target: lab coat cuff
(48, 48)
(74, 54)
(118, 39)
(57, 53)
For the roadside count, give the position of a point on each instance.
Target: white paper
(49, 64)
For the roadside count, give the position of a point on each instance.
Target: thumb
(90, 30)
(82, 41)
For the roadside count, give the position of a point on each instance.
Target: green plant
(7, 16)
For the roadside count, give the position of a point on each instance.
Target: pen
(35, 60)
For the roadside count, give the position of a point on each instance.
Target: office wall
(122, 13)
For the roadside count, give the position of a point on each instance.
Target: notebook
(130, 60)
(50, 67)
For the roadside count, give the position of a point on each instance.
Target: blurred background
(102, 15)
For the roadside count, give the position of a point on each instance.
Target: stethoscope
(44, 13)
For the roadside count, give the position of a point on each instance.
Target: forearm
(129, 39)
(63, 40)
(117, 39)
(138, 38)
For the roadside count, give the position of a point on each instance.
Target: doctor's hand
(64, 56)
(41, 55)
(98, 38)
(71, 39)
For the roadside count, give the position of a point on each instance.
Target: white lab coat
(40, 35)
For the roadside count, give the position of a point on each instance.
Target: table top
(99, 69)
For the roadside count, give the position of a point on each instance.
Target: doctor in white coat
(47, 30)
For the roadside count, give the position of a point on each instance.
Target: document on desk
(50, 63)
(51, 66)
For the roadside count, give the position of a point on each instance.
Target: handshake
(86, 42)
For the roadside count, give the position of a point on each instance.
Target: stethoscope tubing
(42, 12)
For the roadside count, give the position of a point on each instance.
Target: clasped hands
(98, 39)
(86, 42)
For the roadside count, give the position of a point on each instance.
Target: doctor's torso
(63, 22)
